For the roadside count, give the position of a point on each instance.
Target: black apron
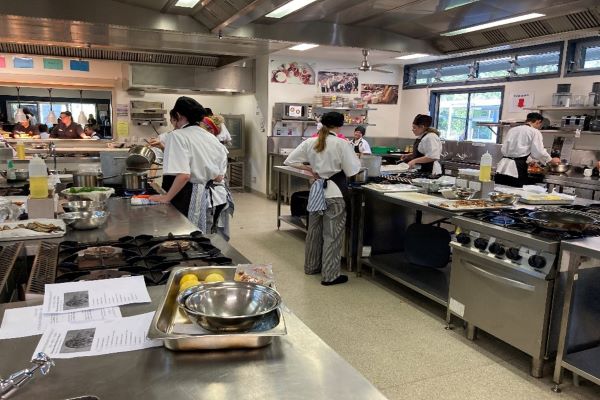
(182, 200)
(341, 180)
(522, 179)
(425, 167)
(357, 147)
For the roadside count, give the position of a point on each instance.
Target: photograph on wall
(338, 82)
(294, 72)
(375, 93)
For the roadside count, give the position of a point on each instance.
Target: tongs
(9, 386)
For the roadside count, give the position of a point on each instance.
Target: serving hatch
(178, 332)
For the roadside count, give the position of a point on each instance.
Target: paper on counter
(30, 321)
(89, 295)
(97, 338)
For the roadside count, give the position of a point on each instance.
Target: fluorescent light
(458, 3)
(411, 56)
(289, 8)
(187, 3)
(304, 46)
(487, 25)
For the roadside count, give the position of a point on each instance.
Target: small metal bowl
(464, 193)
(83, 205)
(229, 306)
(504, 198)
(85, 220)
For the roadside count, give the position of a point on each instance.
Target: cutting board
(392, 188)
(413, 197)
(26, 234)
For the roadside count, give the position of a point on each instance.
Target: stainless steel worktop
(569, 178)
(296, 366)
(299, 173)
(588, 247)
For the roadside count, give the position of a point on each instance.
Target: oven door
(502, 301)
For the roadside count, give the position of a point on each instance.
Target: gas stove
(403, 177)
(145, 255)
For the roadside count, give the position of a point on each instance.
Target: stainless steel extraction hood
(235, 78)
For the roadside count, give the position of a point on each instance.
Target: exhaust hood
(234, 78)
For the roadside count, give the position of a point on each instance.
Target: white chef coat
(337, 156)
(224, 136)
(431, 147)
(521, 141)
(363, 146)
(193, 150)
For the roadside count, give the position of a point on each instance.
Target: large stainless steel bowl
(504, 198)
(85, 220)
(84, 205)
(559, 168)
(229, 306)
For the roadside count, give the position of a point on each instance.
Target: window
(457, 114)
(518, 64)
(583, 57)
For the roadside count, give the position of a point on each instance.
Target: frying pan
(560, 220)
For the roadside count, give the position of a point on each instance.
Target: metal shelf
(360, 125)
(568, 131)
(554, 108)
(294, 221)
(585, 364)
(343, 108)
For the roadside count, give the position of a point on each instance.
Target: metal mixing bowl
(464, 193)
(84, 220)
(504, 198)
(83, 205)
(229, 306)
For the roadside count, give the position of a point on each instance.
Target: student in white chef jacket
(359, 143)
(330, 159)
(520, 143)
(193, 158)
(223, 135)
(427, 148)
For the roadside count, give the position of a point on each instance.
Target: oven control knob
(463, 238)
(537, 262)
(481, 243)
(496, 249)
(513, 254)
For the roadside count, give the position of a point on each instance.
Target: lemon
(187, 285)
(188, 277)
(214, 277)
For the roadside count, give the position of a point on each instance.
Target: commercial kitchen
(459, 287)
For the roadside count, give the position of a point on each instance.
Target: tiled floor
(393, 336)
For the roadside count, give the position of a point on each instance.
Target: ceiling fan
(365, 66)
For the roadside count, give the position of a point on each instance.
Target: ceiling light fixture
(82, 119)
(186, 3)
(51, 118)
(411, 56)
(493, 24)
(304, 46)
(458, 3)
(289, 8)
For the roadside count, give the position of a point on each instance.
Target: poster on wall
(53, 63)
(294, 72)
(520, 101)
(2, 62)
(23, 62)
(338, 82)
(376, 93)
(78, 65)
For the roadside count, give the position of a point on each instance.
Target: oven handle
(500, 279)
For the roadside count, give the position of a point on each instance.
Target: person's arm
(538, 151)
(366, 149)
(431, 149)
(299, 156)
(180, 181)
(350, 162)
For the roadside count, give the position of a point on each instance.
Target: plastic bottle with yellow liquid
(20, 150)
(485, 167)
(38, 178)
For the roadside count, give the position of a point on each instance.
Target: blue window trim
(434, 105)
(572, 57)
(469, 59)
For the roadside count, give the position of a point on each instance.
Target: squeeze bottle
(485, 167)
(38, 178)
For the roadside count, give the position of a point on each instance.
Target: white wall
(415, 101)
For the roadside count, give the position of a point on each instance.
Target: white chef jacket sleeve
(176, 159)
(431, 146)
(365, 148)
(224, 135)
(350, 162)
(537, 148)
(299, 155)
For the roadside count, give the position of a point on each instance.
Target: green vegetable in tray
(87, 189)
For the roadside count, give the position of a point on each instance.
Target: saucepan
(136, 181)
(361, 177)
(20, 175)
(140, 158)
(560, 220)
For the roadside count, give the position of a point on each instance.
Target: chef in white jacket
(520, 143)
(330, 159)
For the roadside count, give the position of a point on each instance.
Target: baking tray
(178, 333)
(540, 202)
(493, 206)
(13, 235)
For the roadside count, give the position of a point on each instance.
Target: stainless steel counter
(297, 366)
(588, 247)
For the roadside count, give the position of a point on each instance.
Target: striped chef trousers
(324, 240)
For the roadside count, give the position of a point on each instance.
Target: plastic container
(20, 150)
(485, 167)
(38, 178)
(10, 171)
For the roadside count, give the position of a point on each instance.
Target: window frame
(574, 57)
(434, 106)
(522, 51)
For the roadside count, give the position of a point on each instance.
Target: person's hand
(219, 178)
(154, 142)
(411, 164)
(555, 161)
(161, 198)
